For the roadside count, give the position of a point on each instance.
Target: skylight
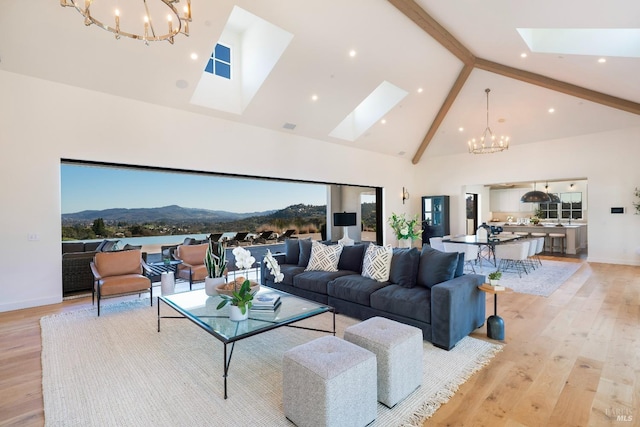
(624, 42)
(248, 49)
(371, 109)
(220, 62)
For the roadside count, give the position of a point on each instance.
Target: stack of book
(269, 301)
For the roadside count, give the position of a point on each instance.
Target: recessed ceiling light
(602, 60)
(551, 110)
(420, 90)
(460, 129)
(194, 56)
(383, 121)
(314, 97)
(523, 55)
(352, 53)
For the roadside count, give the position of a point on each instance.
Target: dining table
(488, 242)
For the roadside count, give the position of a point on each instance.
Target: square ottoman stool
(329, 382)
(398, 349)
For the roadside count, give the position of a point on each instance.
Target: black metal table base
(227, 358)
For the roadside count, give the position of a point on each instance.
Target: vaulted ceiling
(450, 50)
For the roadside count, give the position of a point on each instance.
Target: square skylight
(248, 49)
(371, 109)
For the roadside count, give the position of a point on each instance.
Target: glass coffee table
(200, 308)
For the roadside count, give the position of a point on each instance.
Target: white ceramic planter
(405, 243)
(494, 282)
(210, 284)
(236, 315)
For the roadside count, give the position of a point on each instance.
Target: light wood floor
(571, 359)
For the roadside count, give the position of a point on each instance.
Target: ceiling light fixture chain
(144, 31)
(481, 147)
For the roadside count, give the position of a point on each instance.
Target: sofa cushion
(316, 281)
(324, 258)
(414, 303)
(305, 252)
(460, 267)
(404, 267)
(290, 271)
(351, 258)
(377, 262)
(354, 288)
(192, 254)
(435, 266)
(291, 251)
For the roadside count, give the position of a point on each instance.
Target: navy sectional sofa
(426, 289)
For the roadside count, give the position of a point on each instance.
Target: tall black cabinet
(435, 217)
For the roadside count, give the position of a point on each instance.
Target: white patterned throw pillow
(323, 257)
(377, 262)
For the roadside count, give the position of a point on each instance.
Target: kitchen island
(575, 234)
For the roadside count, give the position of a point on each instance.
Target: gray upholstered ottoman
(329, 382)
(398, 348)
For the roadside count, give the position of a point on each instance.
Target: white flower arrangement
(273, 266)
(244, 260)
(405, 228)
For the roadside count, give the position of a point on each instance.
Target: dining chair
(471, 252)
(513, 256)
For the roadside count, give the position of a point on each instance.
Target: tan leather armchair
(192, 267)
(118, 273)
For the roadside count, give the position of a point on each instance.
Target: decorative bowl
(222, 289)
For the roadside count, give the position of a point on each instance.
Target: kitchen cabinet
(508, 200)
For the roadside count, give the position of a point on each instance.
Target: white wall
(608, 161)
(42, 122)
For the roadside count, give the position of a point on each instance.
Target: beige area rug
(542, 281)
(117, 370)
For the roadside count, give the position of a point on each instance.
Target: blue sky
(91, 187)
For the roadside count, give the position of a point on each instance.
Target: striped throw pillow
(323, 257)
(377, 262)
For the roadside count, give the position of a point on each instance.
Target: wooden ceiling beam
(423, 20)
(444, 109)
(558, 86)
(429, 25)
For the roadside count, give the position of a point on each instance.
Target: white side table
(167, 283)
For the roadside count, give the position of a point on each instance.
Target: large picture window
(111, 201)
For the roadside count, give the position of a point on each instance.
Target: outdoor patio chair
(192, 267)
(215, 237)
(286, 235)
(119, 273)
(240, 239)
(264, 237)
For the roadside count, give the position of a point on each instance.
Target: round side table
(495, 323)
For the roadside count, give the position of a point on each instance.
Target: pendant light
(535, 196)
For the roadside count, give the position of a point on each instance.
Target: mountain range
(171, 213)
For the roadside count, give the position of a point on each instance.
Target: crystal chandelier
(488, 143)
(136, 19)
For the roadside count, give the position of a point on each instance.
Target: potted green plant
(240, 300)
(215, 261)
(494, 278)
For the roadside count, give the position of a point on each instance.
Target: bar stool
(540, 234)
(522, 233)
(558, 236)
